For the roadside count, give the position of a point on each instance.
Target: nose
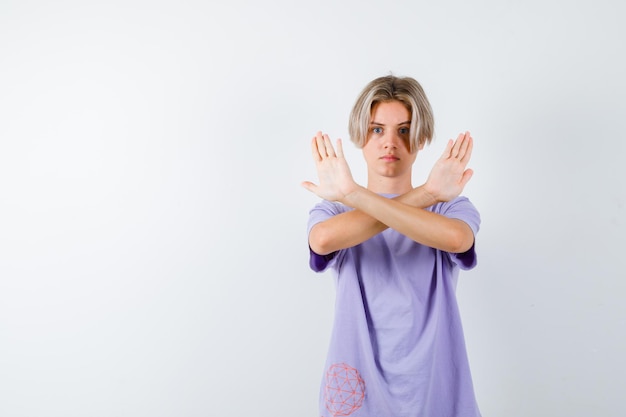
(392, 140)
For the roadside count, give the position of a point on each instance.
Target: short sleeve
(462, 209)
(322, 211)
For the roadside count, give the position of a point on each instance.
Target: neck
(389, 186)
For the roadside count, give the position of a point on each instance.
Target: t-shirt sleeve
(461, 208)
(322, 211)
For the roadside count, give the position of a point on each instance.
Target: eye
(404, 130)
(377, 130)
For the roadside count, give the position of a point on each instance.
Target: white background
(153, 257)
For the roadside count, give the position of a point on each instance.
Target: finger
(462, 142)
(457, 146)
(447, 152)
(309, 186)
(321, 147)
(329, 146)
(339, 148)
(315, 151)
(468, 145)
(467, 175)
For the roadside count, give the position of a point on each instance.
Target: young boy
(397, 346)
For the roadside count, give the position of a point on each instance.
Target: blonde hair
(389, 88)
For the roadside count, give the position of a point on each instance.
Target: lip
(389, 158)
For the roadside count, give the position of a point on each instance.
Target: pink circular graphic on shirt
(345, 390)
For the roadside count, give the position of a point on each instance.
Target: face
(386, 151)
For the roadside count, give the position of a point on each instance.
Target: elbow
(319, 241)
(461, 239)
(461, 245)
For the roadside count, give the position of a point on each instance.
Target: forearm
(353, 227)
(425, 227)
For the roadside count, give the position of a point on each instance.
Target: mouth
(389, 158)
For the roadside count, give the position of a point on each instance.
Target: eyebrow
(381, 124)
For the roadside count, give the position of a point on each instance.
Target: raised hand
(449, 174)
(335, 178)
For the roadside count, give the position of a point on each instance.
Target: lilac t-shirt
(397, 347)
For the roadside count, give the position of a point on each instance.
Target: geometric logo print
(345, 390)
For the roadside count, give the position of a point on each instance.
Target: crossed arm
(405, 213)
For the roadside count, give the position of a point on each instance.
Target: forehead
(390, 112)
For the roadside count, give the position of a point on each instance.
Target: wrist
(430, 194)
(420, 197)
(352, 197)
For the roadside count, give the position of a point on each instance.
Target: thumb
(467, 175)
(309, 186)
